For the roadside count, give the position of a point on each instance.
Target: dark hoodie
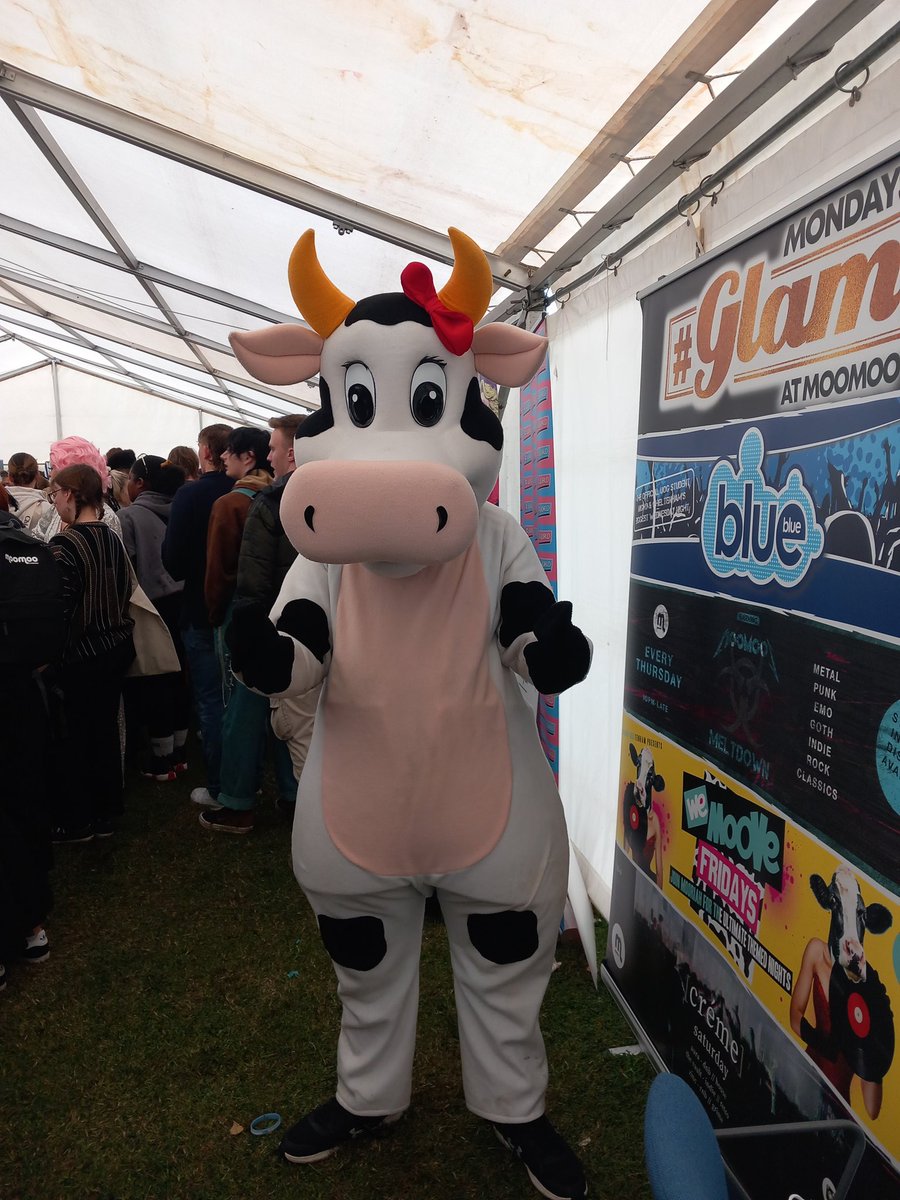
(143, 528)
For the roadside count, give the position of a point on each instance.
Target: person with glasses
(66, 453)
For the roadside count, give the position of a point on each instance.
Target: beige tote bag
(154, 650)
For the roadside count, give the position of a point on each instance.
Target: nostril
(308, 517)
(442, 517)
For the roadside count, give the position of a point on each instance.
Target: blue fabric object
(680, 1147)
(206, 684)
(245, 732)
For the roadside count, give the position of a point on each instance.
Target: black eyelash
(430, 358)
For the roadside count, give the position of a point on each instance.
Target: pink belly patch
(416, 777)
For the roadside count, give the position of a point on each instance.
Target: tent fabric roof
(156, 156)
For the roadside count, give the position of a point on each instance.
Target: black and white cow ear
(821, 891)
(878, 918)
(658, 783)
(635, 757)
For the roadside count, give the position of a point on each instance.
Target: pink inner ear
(282, 354)
(508, 355)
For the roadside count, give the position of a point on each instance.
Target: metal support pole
(54, 371)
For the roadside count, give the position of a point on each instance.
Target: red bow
(454, 329)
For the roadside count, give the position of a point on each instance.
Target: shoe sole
(225, 828)
(362, 1135)
(72, 841)
(534, 1179)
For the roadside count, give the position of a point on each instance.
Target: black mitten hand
(561, 655)
(259, 654)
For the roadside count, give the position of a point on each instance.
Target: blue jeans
(245, 732)
(206, 684)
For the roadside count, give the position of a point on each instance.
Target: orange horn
(470, 287)
(321, 304)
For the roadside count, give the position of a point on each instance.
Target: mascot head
(393, 468)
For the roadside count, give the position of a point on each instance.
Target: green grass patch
(168, 1010)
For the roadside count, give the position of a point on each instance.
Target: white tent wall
(101, 410)
(595, 370)
(125, 416)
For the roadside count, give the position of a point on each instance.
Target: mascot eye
(359, 386)
(426, 393)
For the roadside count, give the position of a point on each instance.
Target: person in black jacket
(184, 557)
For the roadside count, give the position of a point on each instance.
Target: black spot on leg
(354, 942)
(478, 421)
(504, 937)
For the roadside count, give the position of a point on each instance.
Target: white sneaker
(37, 947)
(202, 797)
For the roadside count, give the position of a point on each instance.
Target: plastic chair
(681, 1148)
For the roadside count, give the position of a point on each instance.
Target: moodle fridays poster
(755, 927)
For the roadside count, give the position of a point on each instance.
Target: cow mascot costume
(417, 603)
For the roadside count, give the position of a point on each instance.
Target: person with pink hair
(67, 453)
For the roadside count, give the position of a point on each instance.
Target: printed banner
(758, 860)
(538, 514)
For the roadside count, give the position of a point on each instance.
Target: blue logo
(751, 529)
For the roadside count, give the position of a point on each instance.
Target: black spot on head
(354, 942)
(478, 421)
(388, 308)
(321, 420)
(504, 937)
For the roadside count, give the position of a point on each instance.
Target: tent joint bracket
(796, 65)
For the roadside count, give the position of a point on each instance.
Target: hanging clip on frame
(855, 92)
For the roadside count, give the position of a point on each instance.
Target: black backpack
(32, 617)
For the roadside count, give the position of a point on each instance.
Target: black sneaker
(104, 827)
(326, 1128)
(551, 1165)
(60, 834)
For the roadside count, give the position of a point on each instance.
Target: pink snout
(394, 512)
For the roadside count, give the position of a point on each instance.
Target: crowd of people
(199, 532)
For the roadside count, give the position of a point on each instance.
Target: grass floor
(187, 992)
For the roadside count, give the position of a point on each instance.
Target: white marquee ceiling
(160, 159)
